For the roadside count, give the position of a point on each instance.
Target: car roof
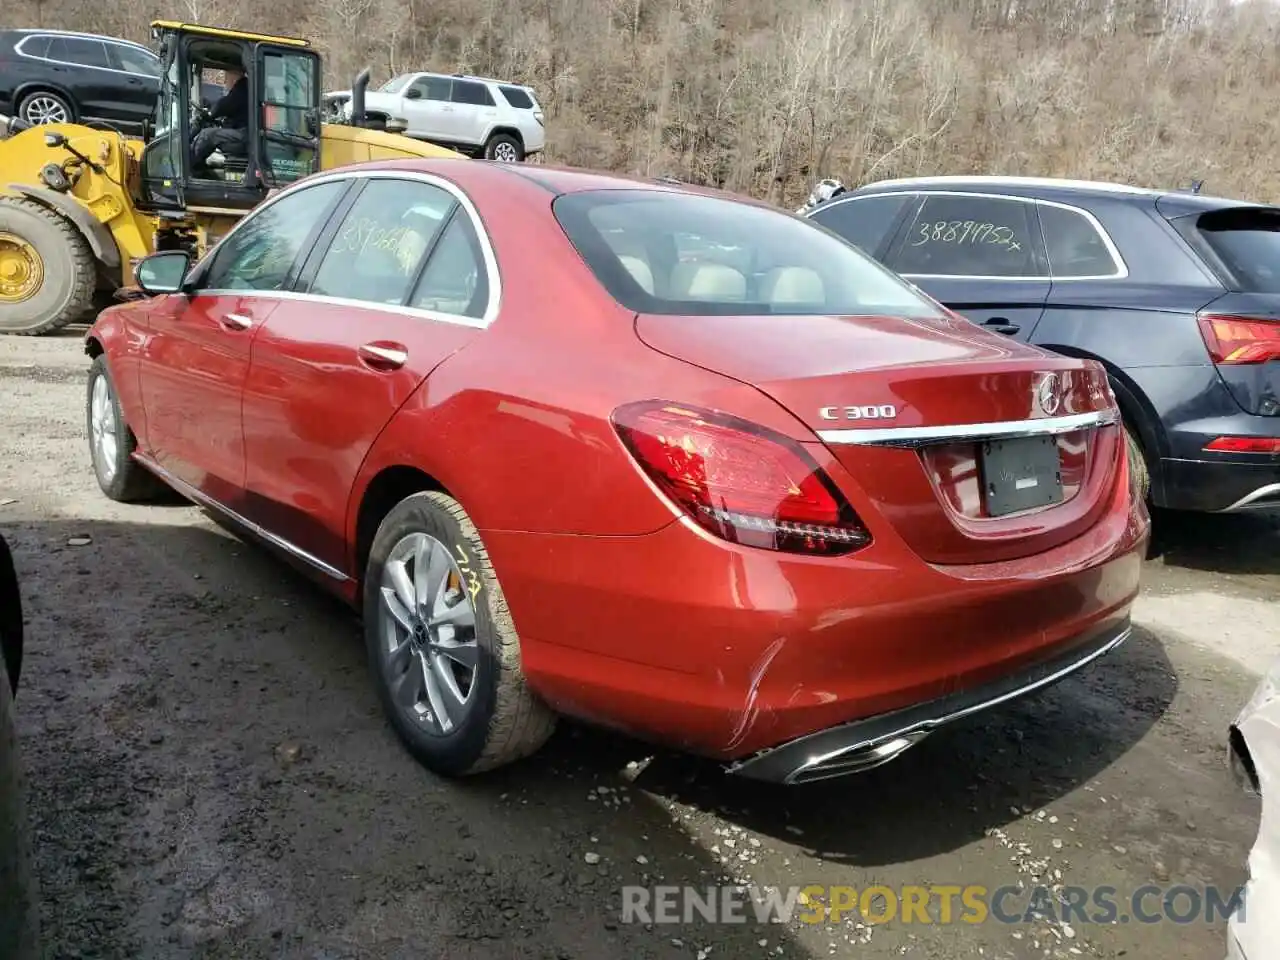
(1055, 188)
(41, 31)
(562, 180)
(464, 76)
(555, 180)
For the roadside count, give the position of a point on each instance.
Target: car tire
(43, 106)
(112, 442)
(1138, 464)
(504, 148)
(56, 274)
(427, 553)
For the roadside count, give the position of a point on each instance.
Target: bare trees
(766, 96)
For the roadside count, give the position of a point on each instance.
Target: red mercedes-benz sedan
(632, 452)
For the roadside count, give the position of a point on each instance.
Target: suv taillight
(1240, 340)
(739, 481)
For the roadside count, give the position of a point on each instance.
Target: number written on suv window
(970, 236)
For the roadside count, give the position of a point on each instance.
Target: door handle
(383, 355)
(236, 321)
(1001, 325)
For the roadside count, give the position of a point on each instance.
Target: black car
(52, 76)
(1176, 293)
(18, 917)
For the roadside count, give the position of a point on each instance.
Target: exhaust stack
(358, 88)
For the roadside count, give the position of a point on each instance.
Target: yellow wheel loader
(81, 204)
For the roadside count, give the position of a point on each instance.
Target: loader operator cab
(273, 143)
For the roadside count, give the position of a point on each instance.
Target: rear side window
(476, 94)
(1075, 247)
(957, 235)
(1247, 241)
(676, 253)
(517, 98)
(89, 53)
(35, 46)
(865, 221)
(378, 248)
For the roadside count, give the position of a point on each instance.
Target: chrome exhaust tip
(857, 758)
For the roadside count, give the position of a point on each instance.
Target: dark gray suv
(1176, 293)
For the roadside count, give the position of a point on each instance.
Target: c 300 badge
(882, 411)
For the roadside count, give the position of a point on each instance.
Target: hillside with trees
(764, 96)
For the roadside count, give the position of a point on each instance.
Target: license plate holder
(1020, 474)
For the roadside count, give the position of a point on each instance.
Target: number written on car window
(966, 231)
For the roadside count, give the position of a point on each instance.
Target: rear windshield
(676, 253)
(1248, 243)
(517, 97)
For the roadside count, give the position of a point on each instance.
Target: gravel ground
(213, 778)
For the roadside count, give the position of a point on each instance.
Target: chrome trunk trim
(1003, 430)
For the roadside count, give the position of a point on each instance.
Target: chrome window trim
(68, 34)
(477, 223)
(1122, 268)
(999, 430)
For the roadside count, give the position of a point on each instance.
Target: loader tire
(47, 270)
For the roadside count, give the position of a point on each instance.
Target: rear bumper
(1215, 486)
(727, 651)
(864, 744)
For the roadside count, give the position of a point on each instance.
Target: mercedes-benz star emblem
(1047, 394)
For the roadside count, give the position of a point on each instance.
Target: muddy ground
(212, 776)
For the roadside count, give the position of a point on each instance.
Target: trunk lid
(896, 400)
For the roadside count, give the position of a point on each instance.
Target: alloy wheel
(427, 622)
(102, 424)
(41, 110)
(506, 153)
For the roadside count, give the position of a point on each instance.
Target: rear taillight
(1238, 340)
(1244, 445)
(738, 480)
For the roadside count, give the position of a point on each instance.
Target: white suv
(473, 115)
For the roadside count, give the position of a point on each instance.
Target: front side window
(377, 251)
(396, 84)
(676, 253)
(971, 236)
(134, 60)
(261, 252)
(864, 222)
(289, 85)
